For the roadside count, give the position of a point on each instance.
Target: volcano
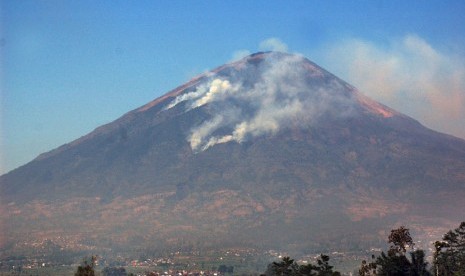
(268, 152)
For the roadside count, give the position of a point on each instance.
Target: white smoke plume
(239, 54)
(217, 87)
(204, 93)
(198, 134)
(279, 96)
(273, 44)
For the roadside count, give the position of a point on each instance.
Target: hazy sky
(70, 66)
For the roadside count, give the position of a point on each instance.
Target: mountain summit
(271, 151)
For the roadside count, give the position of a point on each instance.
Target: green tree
(396, 262)
(308, 269)
(449, 257)
(288, 266)
(418, 264)
(400, 239)
(323, 268)
(86, 268)
(392, 264)
(368, 268)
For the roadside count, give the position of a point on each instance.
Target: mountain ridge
(269, 144)
(367, 102)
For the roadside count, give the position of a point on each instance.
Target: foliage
(395, 262)
(400, 239)
(87, 268)
(398, 264)
(418, 264)
(368, 269)
(449, 257)
(286, 266)
(289, 267)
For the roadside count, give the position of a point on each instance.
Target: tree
(87, 268)
(400, 239)
(392, 264)
(368, 269)
(449, 257)
(323, 268)
(418, 263)
(288, 267)
(395, 262)
(308, 269)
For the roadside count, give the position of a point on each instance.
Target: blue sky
(68, 67)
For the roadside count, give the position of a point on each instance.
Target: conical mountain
(271, 151)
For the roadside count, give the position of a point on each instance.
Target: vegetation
(396, 262)
(401, 259)
(87, 268)
(449, 258)
(289, 267)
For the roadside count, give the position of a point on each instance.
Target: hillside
(271, 151)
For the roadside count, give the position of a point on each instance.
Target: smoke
(239, 54)
(409, 75)
(269, 44)
(217, 87)
(273, 44)
(277, 96)
(204, 93)
(199, 133)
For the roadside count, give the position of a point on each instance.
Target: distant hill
(271, 151)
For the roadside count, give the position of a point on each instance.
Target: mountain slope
(269, 144)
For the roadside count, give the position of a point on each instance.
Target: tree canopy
(288, 267)
(449, 258)
(395, 262)
(87, 267)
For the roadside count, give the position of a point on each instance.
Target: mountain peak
(262, 94)
(271, 143)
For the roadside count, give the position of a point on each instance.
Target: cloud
(273, 44)
(409, 75)
(278, 95)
